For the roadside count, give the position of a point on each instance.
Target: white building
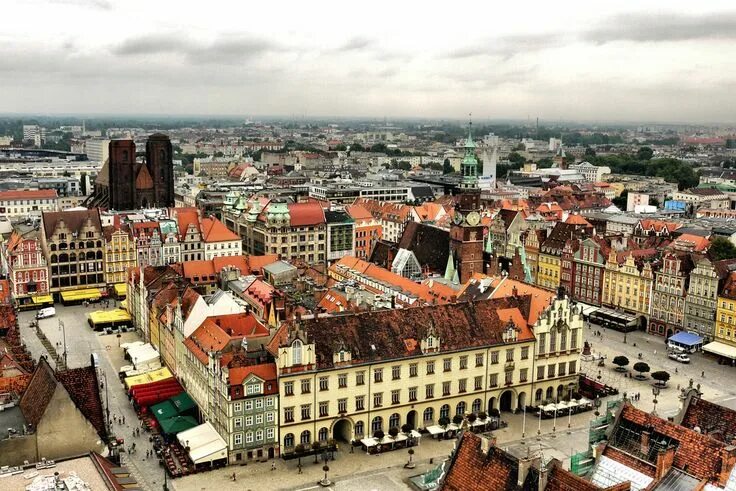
(591, 172)
(97, 150)
(34, 133)
(25, 203)
(636, 199)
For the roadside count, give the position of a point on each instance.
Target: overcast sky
(585, 60)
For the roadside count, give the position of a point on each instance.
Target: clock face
(458, 218)
(473, 218)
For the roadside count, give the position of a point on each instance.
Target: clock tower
(466, 231)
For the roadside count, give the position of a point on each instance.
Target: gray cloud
(508, 46)
(95, 4)
(358, 43)
(225, 50)
(654, 27)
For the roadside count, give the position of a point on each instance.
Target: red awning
(154, 385)
(150, 400)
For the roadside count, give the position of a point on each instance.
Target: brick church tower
(466, 231)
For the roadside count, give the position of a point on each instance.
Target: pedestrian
(273, 465)
(123, 419)
(655, 352)
(675, 369)
(234, 479)
(299, 467)
(702, 374)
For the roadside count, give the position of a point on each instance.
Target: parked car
(682, 358)
(46, 312)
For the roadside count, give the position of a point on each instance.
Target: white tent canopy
(144, 356)
(435, 430)
(205, 444)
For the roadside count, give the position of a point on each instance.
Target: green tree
(403, 165)
(357, 147)
(661, 377)
(516, 158)
(620, 201)
(545, 163)
(721, 248)
(447, 167)
(589, 152)
(642, 368)
(644, 153)
(621, 361)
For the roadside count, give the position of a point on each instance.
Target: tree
(471, 418)
(483, 415)
(315, 447)
(621, 361)
(403, 165)
(219, 154)
(495, 413)
(357, 147)
(642, 368)
(393, 432)
(457, 419)
(406, 428)
(721, 248)
(299, 451)
(589, 152)
(516, 158)
(661, 377)
(621, 201)
(444, 421)
(644, 153)
(378, 435)
(447, 167)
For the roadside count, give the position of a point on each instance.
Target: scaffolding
(583, 462)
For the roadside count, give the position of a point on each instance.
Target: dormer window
(296, 352)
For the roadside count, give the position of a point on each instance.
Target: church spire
(470, 163)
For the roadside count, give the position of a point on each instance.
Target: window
(394, 421)
(359, 403)
(324, 409)
(550, 371)
(306, 386)
(412, 394)
(306, 437)
(494, 357)
(269, 401)
(259, 435)
(428, 414)
(259, 403)
(446, 388)
(463, 362)
(413, 369)
(342, 405)
(322, 435)
(561, 369)
(429, 391)
(289, 388)
(447, 364)
(552, 341)
(289, 414)
(359, 429)
(324, 383)
(460, 408)
(494, 380)
(509, 378)
(509, 355)
(395, 396)
(378, 375)
(248, 405)
(270, 434)
(377, 399)
(377, 424)
(238, 407)
(479, 360)
(289, 440)
(269, 417)
(360, 378)
(542, 343)
(238, 422)
(445, 411)
(523, 374)
(296, 352)
(525, 353)
(462, 385)
(396, 372)
(306, 411)
(430, 367)
(572, 368)
(478, 382)
(540, 373)
(238, 438)
(573, 339)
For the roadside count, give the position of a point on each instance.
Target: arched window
(460, 408)
(538, 395)
(550, 392)
(63, 257)
(81, 245)
(72, 245)
(54, 258)
(428, 414)
(323, 432)
(99, 243)
(90, 244)
(296, 352)
(476, 406)
(73, 257)
(445, 411)
(289, 440)
(377, 424)
(90, 255)
(306, 437)
(53, 247)
(63, 246)
(99, 254)
(394, 421)
(359, 428)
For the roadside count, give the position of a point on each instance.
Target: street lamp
(625, 332)
(63, 331)
(597, 404)
(410, 464)
(570, 388)
(325, 481)
(554, 421)
(655, 392)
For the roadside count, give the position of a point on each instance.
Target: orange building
(367, 230)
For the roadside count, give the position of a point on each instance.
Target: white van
(46, 312)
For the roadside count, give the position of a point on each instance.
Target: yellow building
(724, 344)
(548, 270)
(348, 377)
(627, 285)
(119, 254)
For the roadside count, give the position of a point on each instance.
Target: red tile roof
(28, 194)
(473, 469)
(186, 217)
(239, 262)
(307, 213)
(358, 212)
(264, 371)
(213, 230)
(257, 263)
(216, 332)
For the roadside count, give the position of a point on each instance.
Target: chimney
(525, 463)
(486, 443)
(728, 460)
(645, 442)
(665, 458)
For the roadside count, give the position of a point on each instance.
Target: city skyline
(396, 61)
